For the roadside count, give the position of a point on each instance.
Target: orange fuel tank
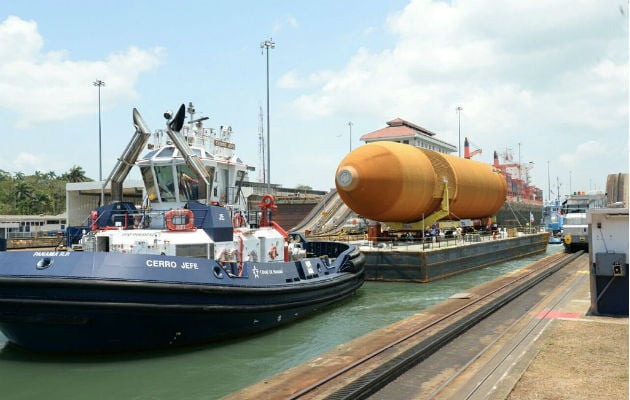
(394, 182)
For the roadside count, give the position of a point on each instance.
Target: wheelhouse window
(166, 152)
(147, 178)
(188, 184)
(165, 182)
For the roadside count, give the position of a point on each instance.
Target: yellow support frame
(427, 221)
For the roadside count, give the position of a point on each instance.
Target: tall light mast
(459, 129)
(261, 147)
(99, 84)
(268, 44)
(350, 125)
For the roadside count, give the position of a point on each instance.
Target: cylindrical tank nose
(372, 181)
(347, 178)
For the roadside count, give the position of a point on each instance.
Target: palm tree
(23, 190)
(76, 174)
(23, 195)
(4, 175)
(40, 203)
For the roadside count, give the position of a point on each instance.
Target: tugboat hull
(61, 308)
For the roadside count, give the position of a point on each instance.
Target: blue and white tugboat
(553, 220)
(178, 270)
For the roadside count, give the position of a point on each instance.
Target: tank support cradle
(427, 221)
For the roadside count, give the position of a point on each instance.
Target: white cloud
(29, 163)
(288, 21)
(448, 50)
(20, 40)
(26, 160)
(55, 85)
(578, 153)
(292, 80)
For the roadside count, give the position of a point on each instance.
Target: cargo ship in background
(524, 201)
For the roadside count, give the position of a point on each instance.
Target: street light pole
(99, 83)
(459, 130)
(267, 44)
(548, 183)
(350, 125)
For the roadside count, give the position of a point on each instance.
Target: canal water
(215, 370)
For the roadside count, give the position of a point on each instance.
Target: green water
(212, 371)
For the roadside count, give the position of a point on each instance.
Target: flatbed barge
(426, 262)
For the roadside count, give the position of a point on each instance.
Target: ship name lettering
(189, 265)
(271, 271)
(51, 254)
(161, 264)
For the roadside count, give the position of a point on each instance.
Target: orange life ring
(186, 214)
(238, 220)
(94, 220)
(273, 252)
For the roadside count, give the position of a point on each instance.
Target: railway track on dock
(354, 382)
(485, 375)
(381, 360)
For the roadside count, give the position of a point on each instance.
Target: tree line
(40, 193)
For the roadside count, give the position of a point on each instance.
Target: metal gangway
(327, 217)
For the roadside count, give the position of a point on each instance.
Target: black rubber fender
(354, 263)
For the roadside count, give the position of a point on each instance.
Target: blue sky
(548, 80)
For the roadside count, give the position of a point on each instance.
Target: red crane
(467, 153)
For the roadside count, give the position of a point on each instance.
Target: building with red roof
(401, 131)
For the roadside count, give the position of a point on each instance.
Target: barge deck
(426, 262)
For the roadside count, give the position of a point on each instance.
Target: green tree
(4, 175)
(40, 193)
(23, 193)
(40, 203)
(23, 190)
(76, 174)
